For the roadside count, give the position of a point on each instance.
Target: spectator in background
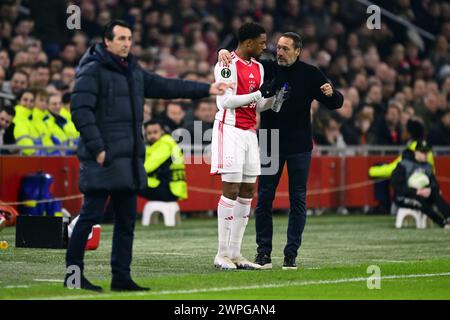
(164, 165)
(374, 98)
(40, 76)
(344, 116)
(182, 39)
(173, 117)
(40, 112)
(69, 54)
(363, 124)
(6, 118)
(18, 83)
(204, 113)
(439, 135)
(62, 130)
(68, 76)
(388, 132)
(148, 112)
(330, 135)
(6, 99)
(25, 133)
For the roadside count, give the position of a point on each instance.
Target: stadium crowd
(387, 75)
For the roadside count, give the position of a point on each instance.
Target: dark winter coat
(107, 108)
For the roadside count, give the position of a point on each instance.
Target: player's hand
(425, 192)
(327, 89)
(219, 88)
(101, 158)
(224, 57)
(268, 88)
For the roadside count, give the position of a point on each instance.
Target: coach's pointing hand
(327, 89)
(219, 88)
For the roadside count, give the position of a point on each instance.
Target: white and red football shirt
(247, 77)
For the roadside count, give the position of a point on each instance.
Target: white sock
(224, 218)
(241, 214)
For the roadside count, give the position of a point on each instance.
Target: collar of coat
(98, 52)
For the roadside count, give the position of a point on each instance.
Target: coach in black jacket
(307, 83)
(107, 108)
(293, 123)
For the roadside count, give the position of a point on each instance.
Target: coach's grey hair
(298, 42)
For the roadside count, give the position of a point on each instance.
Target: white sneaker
(243, 263)
(224, 263)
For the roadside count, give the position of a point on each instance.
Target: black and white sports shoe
(264, 261)
(289, 263)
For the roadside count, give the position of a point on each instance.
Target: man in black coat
(293, 122)
(107, 108)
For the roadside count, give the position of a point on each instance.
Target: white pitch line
(176, 254)
(264, 286)
(15, 287)
(49, 280)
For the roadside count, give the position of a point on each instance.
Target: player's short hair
(108, 30)
(250, 30)
(298, 41)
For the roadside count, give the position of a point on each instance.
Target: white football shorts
(234, 150)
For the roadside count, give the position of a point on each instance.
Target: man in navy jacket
(107, 108)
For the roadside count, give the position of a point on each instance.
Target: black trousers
(124, 204)
(298, 170)
(426, 205)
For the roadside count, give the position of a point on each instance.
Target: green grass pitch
(177, 263)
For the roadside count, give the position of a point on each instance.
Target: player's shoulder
(225, 71)
(256, 62)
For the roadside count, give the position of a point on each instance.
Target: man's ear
(298, 51)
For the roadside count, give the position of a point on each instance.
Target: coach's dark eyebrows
(122, 37)
(283, 47)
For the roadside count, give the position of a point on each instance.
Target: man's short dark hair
(8, 110)
(40, 65)
(108, 30)
(250, 30)
(21, 93)
(153, 122)
(21, 71)
(298, 41)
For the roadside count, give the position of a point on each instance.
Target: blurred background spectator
(387, 75)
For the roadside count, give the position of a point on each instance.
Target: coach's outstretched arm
(156, 86)
(324, 91)
(83, 107)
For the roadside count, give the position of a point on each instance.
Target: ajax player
(234, 148)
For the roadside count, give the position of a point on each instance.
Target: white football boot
(243, 263)
(224, 263)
